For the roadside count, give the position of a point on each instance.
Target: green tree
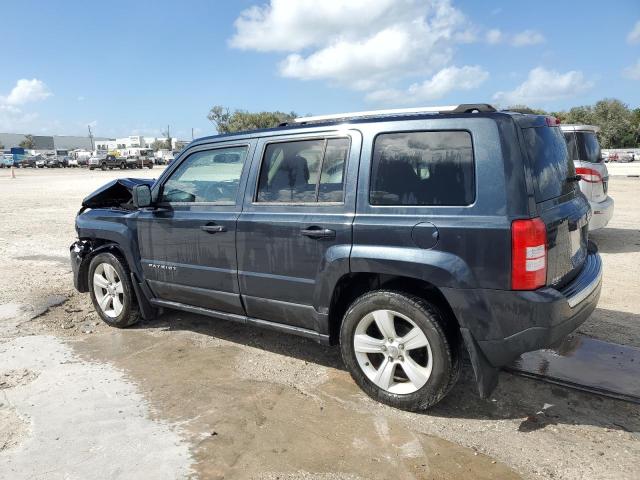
(615, 121)
(28, 142)
(635, 123)
(583, 114)
(525, 109)
(226, 121)
(160, 145)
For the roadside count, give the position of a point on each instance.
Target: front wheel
(111, 291)
(396, 350)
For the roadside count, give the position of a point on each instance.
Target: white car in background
(584, 149)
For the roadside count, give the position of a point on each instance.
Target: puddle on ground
(42, 305)
(587, 364)
(243, 427)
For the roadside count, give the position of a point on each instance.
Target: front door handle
(318, 232)
(213, 228)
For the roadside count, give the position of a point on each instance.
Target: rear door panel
(280, 269)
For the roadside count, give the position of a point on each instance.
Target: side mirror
(141, 196)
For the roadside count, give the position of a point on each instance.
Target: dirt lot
(190, 397)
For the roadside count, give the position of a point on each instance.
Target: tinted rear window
(588, 147)
(423, 168)
(550, 162)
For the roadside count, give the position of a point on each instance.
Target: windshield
(550, 162)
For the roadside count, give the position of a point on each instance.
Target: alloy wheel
(393, 351)
(108, 290)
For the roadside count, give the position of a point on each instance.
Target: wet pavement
(248, 426)
(586, 364)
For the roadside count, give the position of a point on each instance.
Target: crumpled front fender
(116, 193)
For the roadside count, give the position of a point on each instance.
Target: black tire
(150, 166)
(104, 167)
(446, 351)
(123, 165)
(130, 313)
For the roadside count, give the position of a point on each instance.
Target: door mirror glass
(141, 196)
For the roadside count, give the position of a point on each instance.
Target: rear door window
(588, 147)
(304, 171)
(550, 162)
(423, 168)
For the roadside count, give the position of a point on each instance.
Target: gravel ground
(209, 399)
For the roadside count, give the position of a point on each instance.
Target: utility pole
(169, 139)
(191, 133)
(90, 137)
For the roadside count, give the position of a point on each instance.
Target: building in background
(134, 141)
(51, 143)
(48, 143)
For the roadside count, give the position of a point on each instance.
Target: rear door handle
(318, 232)
(213, 228)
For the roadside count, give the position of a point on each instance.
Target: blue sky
(135, 67)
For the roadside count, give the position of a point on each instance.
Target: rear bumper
(602, 213)
(506, 324)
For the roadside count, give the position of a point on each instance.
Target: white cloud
(526, 38)
(12, 118)
(445, 81)
(634, 34)
(543, 86)
(26, 91)
(494, 36)
(366, 45)
(81, 98)
(632, 72)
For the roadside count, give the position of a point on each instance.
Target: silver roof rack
(462, 108)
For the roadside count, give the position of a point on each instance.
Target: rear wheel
(123, 166)
(104, 166)
(396, 350)
(112, 292)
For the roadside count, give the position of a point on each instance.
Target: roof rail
(462, 108)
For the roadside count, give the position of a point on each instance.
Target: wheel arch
(351, 286)
(97, 246)
(94, 247)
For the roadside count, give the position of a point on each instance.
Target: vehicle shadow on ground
(616, 240)
(534, 403)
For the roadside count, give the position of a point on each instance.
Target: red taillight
(552, 121)
(589, 175)
(528, 254)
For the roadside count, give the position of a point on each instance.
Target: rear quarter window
(550, 162)
(423, 168)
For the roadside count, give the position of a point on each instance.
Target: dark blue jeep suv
(404, 236)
